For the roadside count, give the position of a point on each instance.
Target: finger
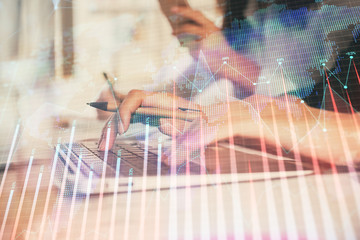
(132, 102)
(172, 127)
(188, 142)
(137, 98)
(191, 14)
(168, 101)
(189, 29)
(109, 133)
(105, 96)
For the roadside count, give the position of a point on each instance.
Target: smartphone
(174, 19)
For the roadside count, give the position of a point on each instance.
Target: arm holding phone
(235, 120)
(215, 47)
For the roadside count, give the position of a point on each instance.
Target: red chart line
(357, 73)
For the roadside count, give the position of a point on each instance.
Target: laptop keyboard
(130, 156)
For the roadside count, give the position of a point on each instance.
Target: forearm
(334, 138)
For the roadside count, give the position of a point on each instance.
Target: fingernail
(100, 145)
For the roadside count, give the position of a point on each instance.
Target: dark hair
(235, 9)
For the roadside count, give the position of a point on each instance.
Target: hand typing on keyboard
(119, 122)
(256, 117)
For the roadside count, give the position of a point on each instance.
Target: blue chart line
(347, 77)
(333, 75)
(280, 66)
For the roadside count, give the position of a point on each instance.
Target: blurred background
(53, 53)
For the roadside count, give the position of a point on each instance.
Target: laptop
(131, 166)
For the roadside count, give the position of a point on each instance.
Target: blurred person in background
(261, 40)
(26, 50)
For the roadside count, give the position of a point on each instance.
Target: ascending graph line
(63, 184)
(22, 197)
(344, 142)
(275, 71)
(257, 113)
(320, 120)
(204, 209)
(213, 76)
(323, 104)
(219, 69)
(115, 101)
(13, 143)
(207, 82)
(327, 221)
(237, 213)
(294, 88)
(272, 216)
(296, 144)
(144, 180)
(86, 207)
(269, 80)
(172, 224)
(51, 181)
(344, 213)
(353, 115)
(158, 182)
(102, 183)
(128, 204)
(356, 71)
(347, 76)
(288, 209)
(28, 229)
(188, 225)
(253, 201)
(332, 74)
(317, 119)
(114, 204)
(6, 211)
(221, 226)
(201, 56)
(207, 69)
(74, 193)
(187, 79)
(310, 226)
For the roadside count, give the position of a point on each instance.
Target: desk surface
(313, 207)
(323, 206)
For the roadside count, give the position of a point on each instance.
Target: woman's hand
(284, 125)
(257, 121)
(119, 122)
(223, 122)
(199, 25)
(215, 47)
(106, 95)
